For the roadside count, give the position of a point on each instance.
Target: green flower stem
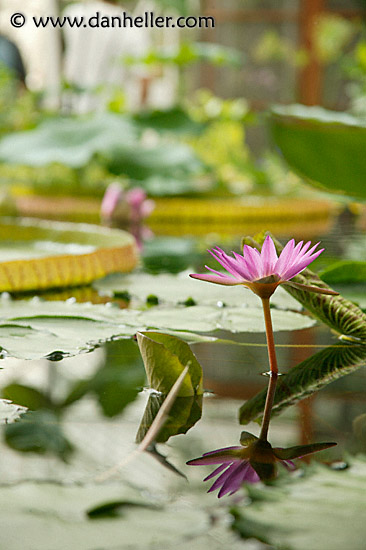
(269, 334)
(273, 373)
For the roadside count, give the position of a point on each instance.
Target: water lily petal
(217, 279)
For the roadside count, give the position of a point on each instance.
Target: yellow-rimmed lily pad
(39, 255)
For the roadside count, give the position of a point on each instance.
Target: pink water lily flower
(255, 460)
(263, 271)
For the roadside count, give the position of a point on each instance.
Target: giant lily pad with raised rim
(38, 255)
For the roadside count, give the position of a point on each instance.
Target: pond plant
(261, 272)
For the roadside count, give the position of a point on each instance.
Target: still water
(96, 402)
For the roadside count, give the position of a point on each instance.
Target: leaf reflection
(184, 414)
(306, 378)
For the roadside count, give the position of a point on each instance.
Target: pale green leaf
(320, 511)
(165, 357)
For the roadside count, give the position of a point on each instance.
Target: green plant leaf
(174, 120)
(337, 312)
(307, 513)
(119, 380)
(326, 147)
(307, 378)
(168, 160)
(38, 432)
(72, 141)
(165, 357)
(26, 396)
(184, 414)
(345, 271)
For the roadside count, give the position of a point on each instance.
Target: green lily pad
(179, 288)
(343, 272)
(320, 511)
(71, 141)
(34, 329)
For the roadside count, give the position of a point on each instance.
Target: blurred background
(179, 113)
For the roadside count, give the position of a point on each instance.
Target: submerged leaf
(38, 432)
(306, 378)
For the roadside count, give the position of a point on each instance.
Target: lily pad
(34, 329)
(179, 288)
(71, 141)
(320, 511)
(46, 510)
(344, 272)
(39, 254)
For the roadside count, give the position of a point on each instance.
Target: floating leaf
(306, 378)
(41, 255)
(327, 147)
(178, 288)
(307, 513)
(165, 357)
(61, 509)
(337, 312)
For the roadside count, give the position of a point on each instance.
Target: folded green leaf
(165, 357)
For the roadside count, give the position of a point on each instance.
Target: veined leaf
(306, 378)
